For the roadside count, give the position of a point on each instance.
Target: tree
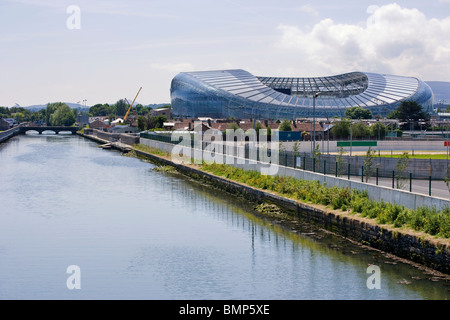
(360, 130)
(160, 121)
(409, 110)
(141, 123)
(378, 130)
(60, 115)
(296, 148)
(368, 163)
(358, 113)
(285, 126)
(341, 129)
(340, 161)
(101, 110)
(152, 122)
(121, 107)
(447, 178)
(51, 108)
(19, 116)
(258, 126)
(402, 164)
(233, 126)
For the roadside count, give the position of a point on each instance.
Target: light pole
(314, 121)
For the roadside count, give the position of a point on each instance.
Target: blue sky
(121, 45)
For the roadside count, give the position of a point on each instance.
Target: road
(438, 187)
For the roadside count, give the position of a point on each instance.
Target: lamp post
(314, 121)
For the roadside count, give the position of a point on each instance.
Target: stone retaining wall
(377, 193)
(5, 135)
(427, 252)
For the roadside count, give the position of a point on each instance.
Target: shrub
(429, 220)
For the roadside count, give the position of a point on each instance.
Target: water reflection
(305, 256)
(141, 234)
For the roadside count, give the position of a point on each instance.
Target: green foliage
(233, 126)
(401, 166)
(358, 113)
(285, 126)
(296, 148)
(101, 110)
(141, 123)
(425, 219)
(341, 129)
(340, 161)
(258, 126)
(409, 110)
(317, 153)
(360, 130)
(153, 122)
(447, 178)
(378, 130)
(121, 107)
(59, 114)
(368, 163)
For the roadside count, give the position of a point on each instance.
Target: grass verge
(424, 219)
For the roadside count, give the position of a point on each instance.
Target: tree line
(55, 114)
(20, 114)
(409, 113)
(119, 109)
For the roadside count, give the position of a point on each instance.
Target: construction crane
(129, 109)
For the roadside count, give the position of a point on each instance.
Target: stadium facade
(239, 94)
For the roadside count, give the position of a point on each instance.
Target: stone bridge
(40, 129)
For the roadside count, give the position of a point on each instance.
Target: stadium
(239, 94)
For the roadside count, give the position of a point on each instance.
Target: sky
(100, 51)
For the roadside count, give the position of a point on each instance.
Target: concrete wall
(404, 245)
(377, 193)
(387, 145)
(420, 168)
(128, 139)
(5, 135)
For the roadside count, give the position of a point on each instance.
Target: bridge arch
(40, 130)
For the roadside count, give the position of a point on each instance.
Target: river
(135, 233)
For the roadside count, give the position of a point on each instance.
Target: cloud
(393, 40)
(173, 67)
(309, 10)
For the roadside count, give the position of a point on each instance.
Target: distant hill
(38, 107)
(441, 91)
(78, 106)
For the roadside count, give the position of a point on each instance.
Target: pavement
(439, 188)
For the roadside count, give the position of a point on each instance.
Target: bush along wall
(391, 228)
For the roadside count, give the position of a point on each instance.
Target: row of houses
(115, 126)
(300, 130)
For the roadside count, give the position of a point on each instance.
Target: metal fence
(339, 166)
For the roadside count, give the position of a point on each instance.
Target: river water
(135, 233)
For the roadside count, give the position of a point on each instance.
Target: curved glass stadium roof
(239, 94)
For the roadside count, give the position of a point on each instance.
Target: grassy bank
(427, 220)
(424, 219)
(418, 156)
(155, 151)
(398, 154)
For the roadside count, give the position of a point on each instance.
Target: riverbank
(8, 134)
(416, 247)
